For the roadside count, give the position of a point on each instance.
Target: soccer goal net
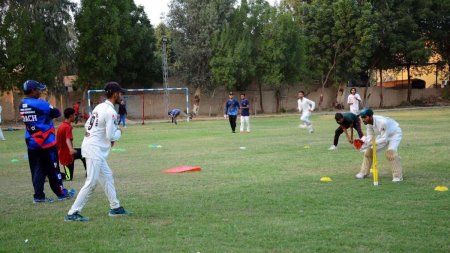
(147, 103)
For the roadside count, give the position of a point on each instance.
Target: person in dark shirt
(122, 113)
(346, 120)
(40, 138)
(245, 114)
(231, 111)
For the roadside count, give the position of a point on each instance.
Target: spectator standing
(122, 113)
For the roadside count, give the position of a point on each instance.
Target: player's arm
(226, 110)
(312, 105)
(113, 133)
(349, 100)
(70, 146)
(54, 113)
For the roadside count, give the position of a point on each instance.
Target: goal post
(185, 89)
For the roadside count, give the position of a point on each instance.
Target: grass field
(266, 198)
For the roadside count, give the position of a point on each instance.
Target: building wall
(154, 107)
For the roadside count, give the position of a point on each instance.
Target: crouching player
(388, 134)
(174, 113)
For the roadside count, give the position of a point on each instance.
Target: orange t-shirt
(64, 132)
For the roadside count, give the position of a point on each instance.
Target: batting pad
(181, 169)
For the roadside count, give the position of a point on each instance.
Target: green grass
(267, 198)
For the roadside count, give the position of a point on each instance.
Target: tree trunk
(408, 99)
(277, 99)
(381, 88)
(260, 96)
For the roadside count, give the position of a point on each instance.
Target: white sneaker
(332, 148)
(360, 175)
(302, 126)
(397, 179)
(311, 130)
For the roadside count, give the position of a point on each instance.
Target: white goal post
(186, 92)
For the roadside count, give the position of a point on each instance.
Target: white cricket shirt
(101, 129)
(304, 105)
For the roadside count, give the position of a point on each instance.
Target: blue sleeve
(226, 107)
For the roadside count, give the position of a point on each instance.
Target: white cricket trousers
(305, 118)
(245, 123)
(98, 171)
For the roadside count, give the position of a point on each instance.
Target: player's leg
(106, 179)
(307, 121)
(89, 186)
(242, 124)
(232, 120)
(393, 157)
(247, 123)
(366, 164)
(50, 164)
(80, 157)
(337, 134)
(37, 175)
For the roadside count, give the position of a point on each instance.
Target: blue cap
(366, 112)
(29, 85)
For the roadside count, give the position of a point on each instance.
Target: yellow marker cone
(325, 179)
(306, 146)
(441, 188)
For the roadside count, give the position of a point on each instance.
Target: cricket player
(174, 113)
(40, 138)
(353, 101)
(231, 111)
(101, 133)
(305, 107)
(346, 120)
(388, 136)
(245, 114)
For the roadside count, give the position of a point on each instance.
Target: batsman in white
(388, 136)
(101, 133)
(305, 107)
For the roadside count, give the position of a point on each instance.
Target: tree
(98, 26)
(136, 54)
(194, 24)
(35, 41)
(340, 36)
(231, 64)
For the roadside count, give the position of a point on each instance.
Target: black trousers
(68, 169)
(339, 131)
(232, 119)
(44, 163)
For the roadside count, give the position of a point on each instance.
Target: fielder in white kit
(305, 107)
(101, 133)
(388, 136)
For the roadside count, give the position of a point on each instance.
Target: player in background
(67, 154)
(231, 111)
(101, 133)
(305, 107)
(346, 120)
(2, 138)
(76, 108)
(40, 138)
(245, 114)
(122, 113)
(353, 101)
(388, 135)
(174, 113)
